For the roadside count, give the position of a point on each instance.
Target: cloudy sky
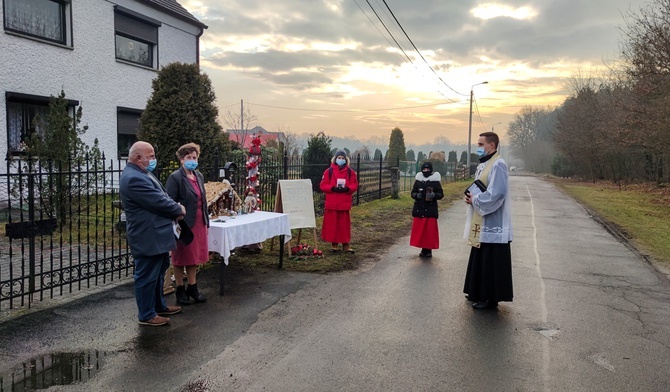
(306, 66)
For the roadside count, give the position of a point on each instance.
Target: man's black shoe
(485, 305)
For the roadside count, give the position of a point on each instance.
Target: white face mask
(340, 161)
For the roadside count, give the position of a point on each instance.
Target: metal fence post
(358, 176)
(395, 186)
(214, 174)
(31, 239)
(285, 161)
(381, 162)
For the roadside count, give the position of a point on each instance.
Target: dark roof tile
(174, 8)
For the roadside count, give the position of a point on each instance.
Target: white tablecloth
(245, 230)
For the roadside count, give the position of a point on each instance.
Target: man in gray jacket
(150, 214)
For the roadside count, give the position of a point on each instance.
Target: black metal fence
(374, 178)
(59, 234)
(60, 230)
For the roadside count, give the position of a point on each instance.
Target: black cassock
(489, 274)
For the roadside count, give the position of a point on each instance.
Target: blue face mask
(191, 165)
(480, 152)
(152, 165)
(340, 162)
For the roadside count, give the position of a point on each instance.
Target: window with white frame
(127, 125)
(24, 113)
(44, 19)
(136, 37)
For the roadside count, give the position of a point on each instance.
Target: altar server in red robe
(338, 183)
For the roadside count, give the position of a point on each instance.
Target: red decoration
(253, 161)
(304, 251)
(255, 148)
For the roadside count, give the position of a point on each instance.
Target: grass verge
(641, 212)
(374, 227)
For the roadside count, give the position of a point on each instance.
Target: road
(589, 314)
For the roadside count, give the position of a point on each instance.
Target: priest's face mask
(489, 148)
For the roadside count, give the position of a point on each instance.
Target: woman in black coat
(427, 190)
(187, 186)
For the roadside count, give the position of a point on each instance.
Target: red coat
(336, 200)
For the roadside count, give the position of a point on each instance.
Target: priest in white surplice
(489, 230)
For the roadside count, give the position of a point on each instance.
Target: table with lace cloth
(247, 229)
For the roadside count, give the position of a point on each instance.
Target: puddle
(602, 362)
(53, 369)
(549, 333)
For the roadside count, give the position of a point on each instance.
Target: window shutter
(127, 123)
(135, 28)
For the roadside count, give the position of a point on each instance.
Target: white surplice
(493, 205)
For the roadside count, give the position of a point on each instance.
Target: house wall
(88, 71)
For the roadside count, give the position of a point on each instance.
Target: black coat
(423, 208)
(180, 190)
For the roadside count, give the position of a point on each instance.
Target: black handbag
(185, 234)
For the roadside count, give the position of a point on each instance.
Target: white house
(102, 53)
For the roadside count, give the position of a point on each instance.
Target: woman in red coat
(339, 182)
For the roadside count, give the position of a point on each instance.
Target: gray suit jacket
(149, 212)
(179, 188)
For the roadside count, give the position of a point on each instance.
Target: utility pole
(470, 125)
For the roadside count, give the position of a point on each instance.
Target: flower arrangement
(304, 251)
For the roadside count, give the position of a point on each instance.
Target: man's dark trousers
(149, 279)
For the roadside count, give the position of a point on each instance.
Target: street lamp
(492, 126)
(470, 125)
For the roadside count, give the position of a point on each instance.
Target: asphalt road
(588, 315)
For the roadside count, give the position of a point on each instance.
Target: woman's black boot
(192, 291)
(182, 298)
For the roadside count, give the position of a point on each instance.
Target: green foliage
(396, 148)
(420, 157)
(439, 166)
(57, 138)
(316, 158)
(378, 154)
(57, 150)
(182, 110)
(464, 158)
(410, 155)
(453, 155)
(561, 166)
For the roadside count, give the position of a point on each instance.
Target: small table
(245, 230)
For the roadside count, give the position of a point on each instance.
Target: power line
(345, 110)
(396, 41)
(377, 28)
(417, 49)
(479, 117)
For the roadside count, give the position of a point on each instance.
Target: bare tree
(646, 52)
(364, 152)
(530, 135)
(292, 146)
(240, 123)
